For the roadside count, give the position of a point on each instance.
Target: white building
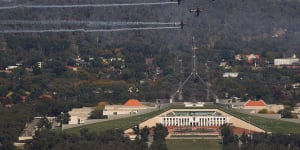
(286, 61)
(131, 107)
(122, 110)
(177, 119)
(230, 74)
(39, 64)
(191, 104)
(80, 115)
(194, 118)
(11, 67)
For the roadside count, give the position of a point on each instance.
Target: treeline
(14, 119)
(257, 141)
(110, 139)
(12, 123)
(222, 30)
(222, 24)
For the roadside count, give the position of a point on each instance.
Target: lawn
(269, 125)
(122, 124)
(198, 144)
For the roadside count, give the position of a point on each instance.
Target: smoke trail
(80, 22)
(131, 29)
(86, 30)
(84, 5)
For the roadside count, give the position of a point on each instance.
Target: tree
(7, 145)
(160, 132)
(228, 136)
(246, 141)
(285, 113)
(144, 134)
(159, 143)
(44, 124)
(63, 118)
(97, 114)
(101, 105)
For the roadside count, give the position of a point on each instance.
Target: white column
(202, 124)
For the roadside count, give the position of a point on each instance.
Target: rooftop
(132, 102)
(255, 103)
(193, 113)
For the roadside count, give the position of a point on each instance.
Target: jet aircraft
(197, 11)
(178, 1)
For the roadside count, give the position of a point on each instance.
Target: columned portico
(198, 121)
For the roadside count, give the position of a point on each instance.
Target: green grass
(269, 125)
(198, 144)
(122, 124)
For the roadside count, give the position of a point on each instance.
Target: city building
(80, 115)
(195, 123)
(230, 75)
(251, 105)
(194, 118)
(255, 105)
(131, 107)
(191, 104)
(286, 61)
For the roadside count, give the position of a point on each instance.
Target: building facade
(80, 115)
(131, 107)
(194, 119)
(286, 61)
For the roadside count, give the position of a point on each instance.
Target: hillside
(223, 28)
(222, 24)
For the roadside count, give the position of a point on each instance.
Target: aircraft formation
(86, 25)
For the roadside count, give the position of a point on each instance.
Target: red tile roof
(45, 97)
(132, 102)
(255, 103)
(23, 98)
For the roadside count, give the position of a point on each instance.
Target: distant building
(297, 109)
(228, 102)
(40, 64)
(274, 107)
(286, 61)
(11, 67)
(131, 107)
(223, 64)
(252, 57)
(190, 104)
(45, 97)
(80, 115)
(251, 105)
(230, 75)
(73, 68)
(185, 122)
(194, 118)
(255, 105)
(238, 57)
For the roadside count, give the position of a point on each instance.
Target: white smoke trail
(131, 29)
(84, 5)
(80, 22)
(86, 30)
